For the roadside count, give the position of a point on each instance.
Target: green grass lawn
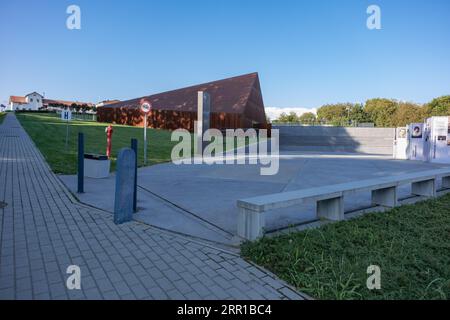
(49, 133)
(411, 244)
(2, 116)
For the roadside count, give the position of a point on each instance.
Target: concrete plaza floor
(200, 200)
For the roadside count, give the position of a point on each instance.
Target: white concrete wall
(21, 106)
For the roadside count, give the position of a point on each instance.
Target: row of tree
(74, 107)
(381, 112)
(306, 118)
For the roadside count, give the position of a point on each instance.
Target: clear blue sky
(307, 53)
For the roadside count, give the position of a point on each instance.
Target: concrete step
(337, 139)
(358, 149)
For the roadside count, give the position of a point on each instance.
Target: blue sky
(307, 53)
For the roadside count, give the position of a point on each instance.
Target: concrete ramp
(377, 141)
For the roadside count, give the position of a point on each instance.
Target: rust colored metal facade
(235, 103)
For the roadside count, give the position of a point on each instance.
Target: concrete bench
(330, 199)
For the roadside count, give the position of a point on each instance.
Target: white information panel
(439, 140)
(427, 140)
(416, 142)
(401, 143)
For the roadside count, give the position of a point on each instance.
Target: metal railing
(324, 123)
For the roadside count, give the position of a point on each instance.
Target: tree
(343, 113)
(381, 111)
(75, 107)
(337, 114)
(85, 107)
(282, 117)
(307, 117)
(438, 107)
(358, 114)
(407, 113)
(291, 117)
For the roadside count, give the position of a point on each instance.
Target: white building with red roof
(35, 101)
(31, 101)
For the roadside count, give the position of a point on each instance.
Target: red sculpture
(109, 132)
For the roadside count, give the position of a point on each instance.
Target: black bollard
(80, 162)
(134, 146)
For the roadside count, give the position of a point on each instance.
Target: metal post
(145, 140)
(134, 146)
(67, 133)
(80, 162)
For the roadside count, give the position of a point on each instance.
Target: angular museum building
(235, 103)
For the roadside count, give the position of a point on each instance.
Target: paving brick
(7, 293)
(157, 294)
(43, 232)
(105, 285)
(290, 294)
(24, 295)
(122, 288)
(93, 294)
(140, 291)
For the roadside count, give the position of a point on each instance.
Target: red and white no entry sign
(146, 107)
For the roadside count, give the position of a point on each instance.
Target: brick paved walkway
(43, 231)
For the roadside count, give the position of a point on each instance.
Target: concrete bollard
(123, 200)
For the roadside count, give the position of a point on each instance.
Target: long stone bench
(330, 199)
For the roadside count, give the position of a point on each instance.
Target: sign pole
(67, 133)
(67, 116)
(146, 107)
(145, 139)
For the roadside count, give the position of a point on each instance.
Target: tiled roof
(17, 99)
(227, 95)
(34, 92)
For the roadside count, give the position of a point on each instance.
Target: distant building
(35, 101)
(106, 102)
(51, 104)
(2, 108)
(31, 101)
(235, 103)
